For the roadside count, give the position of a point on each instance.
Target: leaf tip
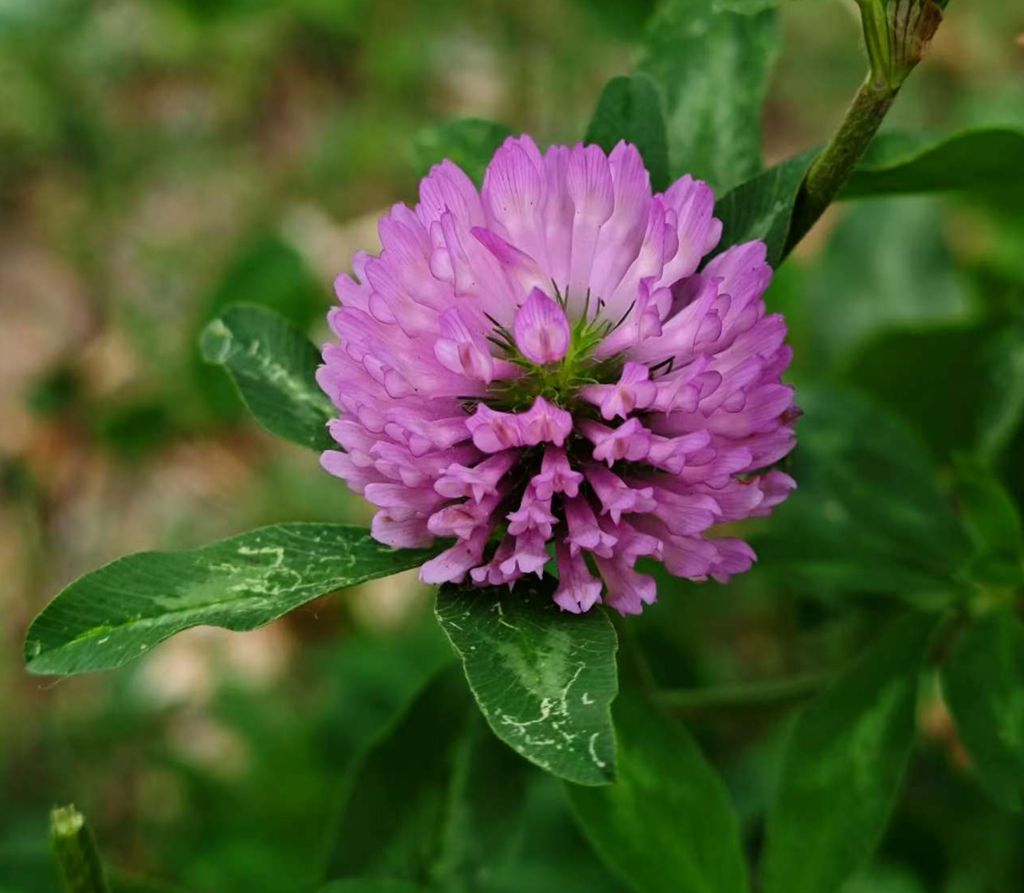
(215, 342)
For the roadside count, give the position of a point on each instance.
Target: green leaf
(436, 800)
(117, 613)
(544, 679)
(666, 824)
(992, 521)
(983, 684)
(371, 885)
(630, 109)
(986, 159)
(266, 271)
(273, 365)
(909, 371)
(886, 267)
(1001, 409)
(469, 142)
(843, 765)
(712, 60)
(762, 208)
(983, 160)
(553, 854)
(869, 514)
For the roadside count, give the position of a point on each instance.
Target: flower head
(537, 371)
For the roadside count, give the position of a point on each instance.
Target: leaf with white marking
(544, 679)
(117, 613)
(273, 365)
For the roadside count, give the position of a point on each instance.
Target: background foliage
(159, 161)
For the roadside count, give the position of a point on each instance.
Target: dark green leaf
(983, 683)
(273, 366)
(1001, 409)
(117, 613)
(469, 142)
(910, 372)
(762, 208)
(712, 60)
(993, 522)
(436, 801)
(371, 885)
(843, 765)
(887, 266)
(553, 854)
(270, 273)
(666, 824)
(630, 109)
(984, 159)
(869, 514)
(543, 678)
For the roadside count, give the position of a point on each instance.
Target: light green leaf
(712, 60)
(987, 159)
(983, 683)
(544, 679)
(273, 365)
(869, 515)
(630, 109)
(468, 142)
(666, 824)
(762, 208)
(117, 613)
(843, 765)
(436, 800)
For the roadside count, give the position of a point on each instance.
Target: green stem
(743, 694)
(833, 167)
(76, 853)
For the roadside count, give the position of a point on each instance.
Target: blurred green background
(161, 159)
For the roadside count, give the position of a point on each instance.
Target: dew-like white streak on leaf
(117, 613)
(544, 679)
(273, 365)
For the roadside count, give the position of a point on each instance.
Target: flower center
(559, 382)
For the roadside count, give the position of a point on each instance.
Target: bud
(897, 34)
(541, 329)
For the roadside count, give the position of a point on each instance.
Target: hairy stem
(833, 167)
(897, 34)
